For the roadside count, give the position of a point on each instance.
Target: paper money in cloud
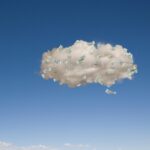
(88, 62)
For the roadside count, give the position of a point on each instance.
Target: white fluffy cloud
(88, 62)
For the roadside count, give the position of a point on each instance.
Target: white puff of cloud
(108, 91)
(69, 145)
(88, 62)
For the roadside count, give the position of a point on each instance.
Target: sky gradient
(35, 111)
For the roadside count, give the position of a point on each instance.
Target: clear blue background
(35, 111)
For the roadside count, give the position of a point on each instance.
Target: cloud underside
(88, 62)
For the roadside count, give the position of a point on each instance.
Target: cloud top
(88, 62)
(10, 146)
(69, 145)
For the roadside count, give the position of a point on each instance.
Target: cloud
(108, 91)
(10, 146)
(87, 62)
(69, 145)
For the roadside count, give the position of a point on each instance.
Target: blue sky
(35, 111)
